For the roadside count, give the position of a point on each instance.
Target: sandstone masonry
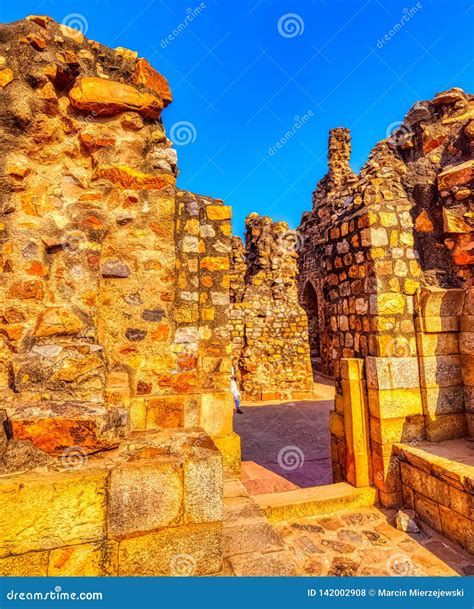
(386, 275)
(269, 329)
(114, 319)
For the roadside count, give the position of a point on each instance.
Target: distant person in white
(235, 391)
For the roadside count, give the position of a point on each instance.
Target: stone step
(315, 501)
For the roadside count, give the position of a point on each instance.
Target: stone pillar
(437, 325)
(396, 410)
(339, 152)
(466, 349)
(356, 422)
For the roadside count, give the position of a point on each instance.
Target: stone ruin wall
(390, 253)
(115, 353)
(269, 330)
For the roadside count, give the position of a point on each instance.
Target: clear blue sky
(240, 83)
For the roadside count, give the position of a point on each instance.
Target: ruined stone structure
(269, 329)
(386, 269)
(115, 355)
(116, 323)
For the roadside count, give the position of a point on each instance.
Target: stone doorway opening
(309, 303)
(286, 445)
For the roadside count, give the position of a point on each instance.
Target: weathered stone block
(336, 424)
(391, 500)
(187, 550)
(467, 369)
(86, 560)
(443, 400)
(386, 473)
(392, 372)
(37, 512)
(445, 427)
(437, 324)
(403, 429)
(166, 412)
(470, 424)
(440, 371)
(469, 399)
(461, 502)
(466, 343)
(107, 98)
(144, 495)
(466, 323)
(352, 369)
(428, 511)
(54, 427)
(395, 403)
(229, 447)
(425, 484)
(31, 564)
(458, 528)
(437, 343)
(408, 497)
(203, 489)
(439, 302)
(216, 413)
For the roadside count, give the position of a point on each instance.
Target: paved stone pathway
(290, 439)
(361, 541)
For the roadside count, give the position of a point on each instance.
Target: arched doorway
(310, 305)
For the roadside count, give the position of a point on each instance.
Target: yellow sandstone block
(229, 447)
(187, 550)
(26, 565)
(85, 560)
(218, 212)
(56, 509)
(216, 413)
(394, 403)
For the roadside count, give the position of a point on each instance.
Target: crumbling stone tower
(389, 254)
(114, 302)
(268, 327)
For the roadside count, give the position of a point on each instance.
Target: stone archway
(310, 304)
